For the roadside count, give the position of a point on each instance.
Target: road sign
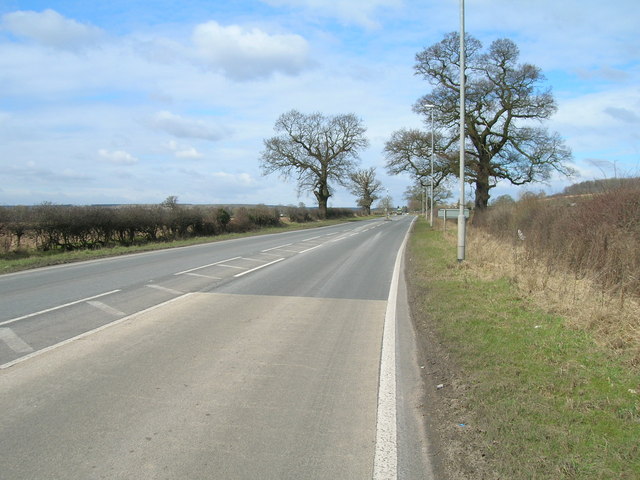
(451, 213)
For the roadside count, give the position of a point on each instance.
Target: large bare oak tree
(505, 106)
(315, 150)
(366, 187)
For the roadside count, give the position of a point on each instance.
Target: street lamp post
(431, 107)
(461, 217)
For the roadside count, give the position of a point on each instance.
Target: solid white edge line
(385, 463)
(7, 322)
(258, 268)
(90, 332)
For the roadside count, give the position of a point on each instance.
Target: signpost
(450, 214)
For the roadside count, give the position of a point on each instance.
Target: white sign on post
(451, 214)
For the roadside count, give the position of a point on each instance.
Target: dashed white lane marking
(204, 276)
(90, 332)
(14, 342)
(258, 268)
(253, 259)
(286, 250)
(205, 266)
(7, 322)
(277, 248)
(230, 266)
(106, 308)
(312, 248)
(337, 239)
(166, 289)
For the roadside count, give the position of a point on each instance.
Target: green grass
(547, 401)
(28, 259)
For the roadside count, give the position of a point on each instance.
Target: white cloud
(359, 12)
(182, 127)
(181, 151)
(574, 35)
(622, 114)
(119, 157)
(240, 179)
(51, 29)
(245, 54)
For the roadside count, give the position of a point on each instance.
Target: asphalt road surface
(286, 356)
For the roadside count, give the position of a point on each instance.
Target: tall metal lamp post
(461, 217)
(431, 107)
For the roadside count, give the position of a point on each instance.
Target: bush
(300, 214)
(247, 219)
(595, 235)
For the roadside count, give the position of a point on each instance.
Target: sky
(132, 101)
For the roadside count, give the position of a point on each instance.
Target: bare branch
(315, 150)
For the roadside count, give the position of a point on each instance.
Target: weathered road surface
(257, 358)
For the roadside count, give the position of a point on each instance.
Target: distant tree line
(61, 227)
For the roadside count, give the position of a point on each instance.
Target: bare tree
(416, 194)
(386, 204)
(505, 105)
(366, 187)
(409, 151)
(315, 150)
(171, 202)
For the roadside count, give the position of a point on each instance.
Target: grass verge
(522, 395)
(28, 259)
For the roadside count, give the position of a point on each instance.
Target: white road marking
(230, 266)
(338, 239)
(312, 248)
(286, 250)
(106, 308)
(90, 332)
(277, 248)
(205, 266)
(166, 289)
(258, 268)
(14, 342)
(204, 276)
(385, 464)
(7, 322)
(275, 254)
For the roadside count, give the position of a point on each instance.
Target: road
(260, 358)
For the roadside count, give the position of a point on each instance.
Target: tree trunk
(482, 184)
(322, 195)
(322, 203)
(482, 195)
(322, 207)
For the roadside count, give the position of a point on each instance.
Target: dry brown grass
(611, 317)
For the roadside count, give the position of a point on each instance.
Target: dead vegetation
(578, 257)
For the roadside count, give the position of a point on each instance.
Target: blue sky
(130, 101)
